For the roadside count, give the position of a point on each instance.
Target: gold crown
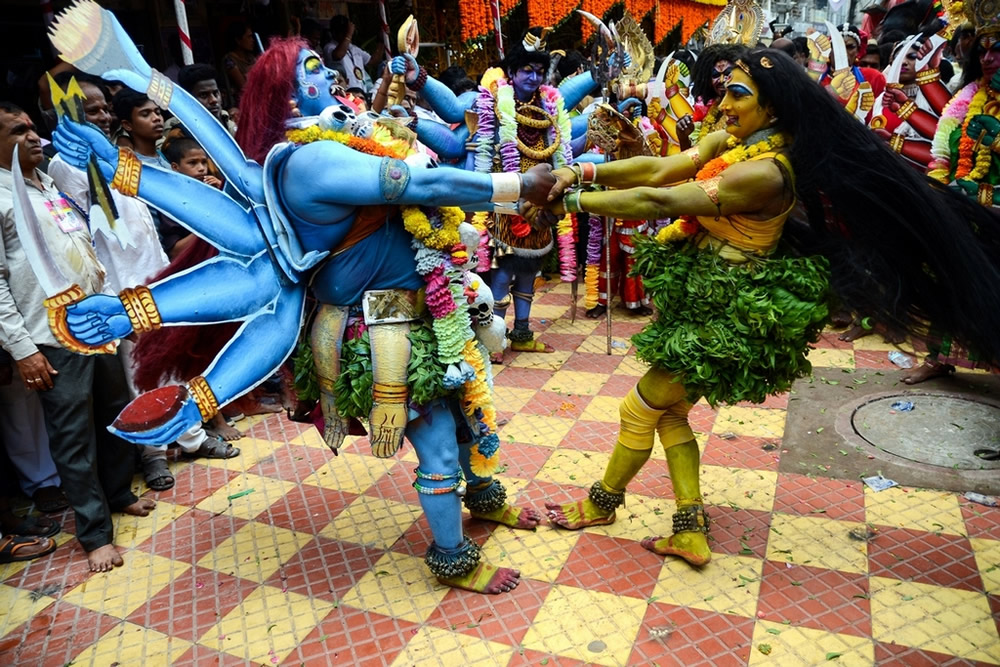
(534, 42)
(740, 22)
(985, 15)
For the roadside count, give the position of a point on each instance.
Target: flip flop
(213, 448)
(14, 548)
(158, 476)
(31, 526)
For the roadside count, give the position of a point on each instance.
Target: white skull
(491, 331)
(365, 124)
(339, 118)
(469, 237)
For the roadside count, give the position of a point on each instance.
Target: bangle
(906, 110)
(588, 173)
(204, 397)
(421, 81)
(506, 187)
(126, 177)
(141, 309)
(571, 202)
(576, 169)
(928, 76)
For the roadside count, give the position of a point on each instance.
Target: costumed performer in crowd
(737, 310)
(317, 211)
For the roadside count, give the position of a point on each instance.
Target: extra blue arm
(449, 144)
(446, 104)
(575, 88)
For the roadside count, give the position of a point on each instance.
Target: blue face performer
(318, 213)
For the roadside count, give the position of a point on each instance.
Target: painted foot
(104, 559)
(496, 358)
(841, 318)
(157, 417)
(582, 513)
(519, 518)
(926, 371)
(691, 546)
(531, 346)
(141, 507)
(486, 578)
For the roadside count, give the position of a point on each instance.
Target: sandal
(32, 526)
(157, 475)
(50, 499)
(15, 548)
(213, 448)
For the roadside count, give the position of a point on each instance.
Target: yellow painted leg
(690, 538)
(390, 344)
(325, 339)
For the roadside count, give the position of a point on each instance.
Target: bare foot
(141, 507)
(104, 559)
(926, 371)
(521, 518)
(220, 428)
(854, 333)
(691, 546)
(582, 513)
(496, 358)
(488, 579)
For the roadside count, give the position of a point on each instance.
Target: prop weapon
(407, 41)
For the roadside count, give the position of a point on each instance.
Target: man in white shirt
(341, 54)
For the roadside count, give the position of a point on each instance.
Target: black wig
(701, 76)
(972, 69)
(902, 246)
(518, 56)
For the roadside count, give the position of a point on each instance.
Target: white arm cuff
(506, 187)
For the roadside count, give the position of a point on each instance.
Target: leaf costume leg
(325, 339)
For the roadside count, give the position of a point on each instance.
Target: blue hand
(77, 141)
(166, 433)
(405, 64)
(98, 319)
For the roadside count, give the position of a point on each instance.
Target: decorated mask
(316, 84)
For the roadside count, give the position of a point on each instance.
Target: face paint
(908, 72)
(989, 57)
(527, 80)
(315, 90)
(741, 106)
(720, 72)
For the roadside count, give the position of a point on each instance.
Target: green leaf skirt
(730, 332)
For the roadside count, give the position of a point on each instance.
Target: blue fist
(98, 319)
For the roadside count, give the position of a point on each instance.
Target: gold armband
(896, 143)
(141, 309)
(906, 110)
(928, 76)
(985, 194)
(126, 178)
(160, 90)
(203, 397)
(695, 156)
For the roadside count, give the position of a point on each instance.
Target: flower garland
(498, 123)
(440, 259)
(591, 274)
(686, 226)
(952, 118)
(974, 167)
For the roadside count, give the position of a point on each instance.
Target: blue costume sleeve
(449, 107)
(449, 144)
(575, 88)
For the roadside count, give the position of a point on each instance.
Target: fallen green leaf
(764, 648)
(833, 655)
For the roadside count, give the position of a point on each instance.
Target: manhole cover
(939, 430)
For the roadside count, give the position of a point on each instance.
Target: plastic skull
(491, 331)
(339, 118)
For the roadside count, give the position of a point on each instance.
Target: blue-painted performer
(325, 215)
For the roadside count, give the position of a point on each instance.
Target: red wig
(264, 102)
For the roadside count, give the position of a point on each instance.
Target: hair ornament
(534, 42)
(746, 68)
(766, 63)
(846, 31)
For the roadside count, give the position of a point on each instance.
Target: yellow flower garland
(416, 222)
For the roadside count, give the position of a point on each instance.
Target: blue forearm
(595, 158)
(449, 144)
(575, 88)
(446, 104)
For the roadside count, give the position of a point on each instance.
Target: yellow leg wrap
(325, 339)
(637, 422)
(673, 427)
(684, 462)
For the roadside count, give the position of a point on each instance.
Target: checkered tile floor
(287, 555)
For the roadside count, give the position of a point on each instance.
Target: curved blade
(937, 41)
(892, 74)
(29, 232)
(598, 23)
(839, 48)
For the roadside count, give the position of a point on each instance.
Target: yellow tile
(988, 560)
(255, 551)
(123, 590)
(267, 625)
(817, 542)
(916, 509)
(574, 466)
(313, 438)
(131, 531)
(593, 627)
(575, 382)
(544, 311)
(754, 422)
(513, 485)
(946, 620)
(632, 366)
(561, 288)
(583, 325)
(139, 485)
(434, 646)
(877, 344)
(8, 570)
(252, 450)
(410, 456)
(551, 361)
(739, 487)
(829, 358)
(18, 606)
(790, 645)
(602, 409)
(352, 473)
(400, 586)
(373, 522)
(130, 644)
(536, 430)
(598, 344)
(728, 584)
(511, 399)
(260, 494)
(640, 517)
(537, 555)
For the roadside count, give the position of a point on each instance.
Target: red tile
(653, 479)
(772, 402)
(980, 520)
(349, 636)
(735, 531)
(192, 603)
(562, 341)
(895, 655)
(276, 427)
(741, 451)
(325, 569)
(830, 340)
(672, 635)
(873, 359)
(523, 460)
(701, 418)
(198, 655)
(994, 601)
(194, 483)
(63, 569)
(554, 299)
(306, 508)
(524, 378)
(831, 498)
(551, 404)
(55, 635)
(397, 484)
(618, 385)
(591, 436)
(592, 363)
(815, 598)
(625, 328)
(192, 535)
(292, 463)
(503, 618)
(611, 565)
(927, 558)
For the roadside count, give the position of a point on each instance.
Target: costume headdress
(845, 30)
(985, 15)
(740, 22)
(533, 42)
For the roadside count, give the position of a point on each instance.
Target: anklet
(691, 519)
(454, 563)
(458, 487)
(605, 500)
(488, 499)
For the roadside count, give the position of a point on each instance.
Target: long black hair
(972, 69)
(701, 76)
(903, 247)
(518, 56)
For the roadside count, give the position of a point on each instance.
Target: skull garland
(490, 330)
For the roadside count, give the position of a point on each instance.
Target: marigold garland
(973, 167)
(952, 118)
(477, 403)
